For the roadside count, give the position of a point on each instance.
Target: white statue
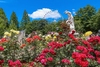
(70, 20)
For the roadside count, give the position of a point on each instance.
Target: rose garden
(52, 50)
(64, 48)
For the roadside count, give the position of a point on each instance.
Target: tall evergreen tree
(25, 20)
(13, 21)
(3, 22)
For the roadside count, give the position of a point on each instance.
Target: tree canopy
(86, 18)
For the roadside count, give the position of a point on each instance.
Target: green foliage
(41, 25)
(51, 26)
(3, 22)
(25, 21)
(83, 17)
(86, 18)
(37, 25)
(96, 21)
(13, 21)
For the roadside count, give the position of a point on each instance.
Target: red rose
(50, 59)
(29, 40)
(44, 61)
(1, 62)
(66, 61)
(1, 48)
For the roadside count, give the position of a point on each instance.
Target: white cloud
(45, 13)
(73, 11)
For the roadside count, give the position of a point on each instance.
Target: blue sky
(36, 8)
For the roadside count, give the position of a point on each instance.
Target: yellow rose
(48, 37)
(9, 34)
(12, 30)
(54, 37)
(4, 36)
(88, 33)
(16, 32)
(6, 33)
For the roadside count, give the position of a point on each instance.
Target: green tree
(42, 25)
(34, 25)
(51, 27)
(14, 24)
(25, 20)
(83, 17)
(3, 22)
(95, 21)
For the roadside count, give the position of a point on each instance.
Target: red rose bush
(50, 51)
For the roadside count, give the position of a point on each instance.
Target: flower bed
(50, 51)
